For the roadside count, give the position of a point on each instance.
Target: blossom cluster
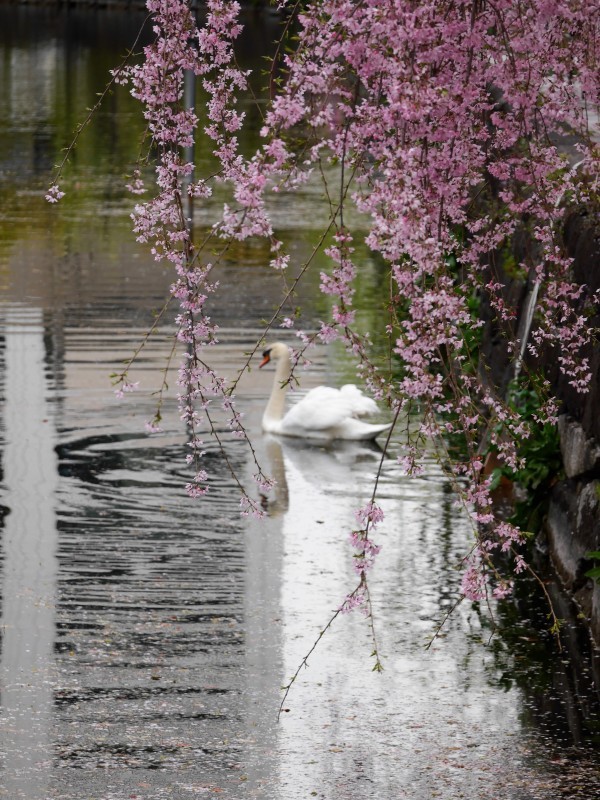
(452, 126)
(163, 221)
(456, 125)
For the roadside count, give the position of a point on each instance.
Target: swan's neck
(276, 405)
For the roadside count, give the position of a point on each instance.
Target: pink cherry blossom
(450, 128)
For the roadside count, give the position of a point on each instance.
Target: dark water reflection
(145, 636)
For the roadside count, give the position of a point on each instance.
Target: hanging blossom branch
(426, 107)
(448, 120)
(54, 192)
(158, 83)
(455, 100)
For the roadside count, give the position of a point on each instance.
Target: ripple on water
(173, 623)
(149, 620)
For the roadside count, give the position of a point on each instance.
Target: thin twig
(82, 125)
(304, 662)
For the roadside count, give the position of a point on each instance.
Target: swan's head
(275, 351)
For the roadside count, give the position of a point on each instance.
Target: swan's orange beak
(265, 360)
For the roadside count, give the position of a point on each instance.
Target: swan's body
(323, 414)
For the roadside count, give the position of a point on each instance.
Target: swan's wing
(362, 406)
(322, 408)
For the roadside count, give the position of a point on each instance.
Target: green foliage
(539, 453)
(594, 572)
(508, 263)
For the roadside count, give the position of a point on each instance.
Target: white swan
(323, 414)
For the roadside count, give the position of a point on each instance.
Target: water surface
(146, 636)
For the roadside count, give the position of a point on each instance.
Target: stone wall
(572, 525)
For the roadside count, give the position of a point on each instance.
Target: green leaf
(593, 573)
(496, 477)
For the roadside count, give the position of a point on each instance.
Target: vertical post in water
(189, 103)
(187, 201)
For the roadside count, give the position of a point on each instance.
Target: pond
(145, 635)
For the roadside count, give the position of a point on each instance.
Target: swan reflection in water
(324, 466)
